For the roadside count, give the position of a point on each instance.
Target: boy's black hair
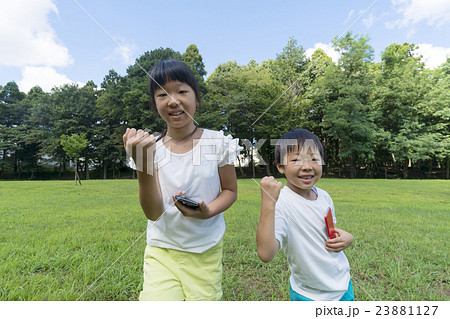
(171, 70)
(294, 140)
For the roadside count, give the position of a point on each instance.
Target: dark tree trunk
(268, 173)
(405, 168)
(352, 166)
(240, 168)
(105, 169)
(86, 169)
(430, 169)
(447, 174)
(77, 177)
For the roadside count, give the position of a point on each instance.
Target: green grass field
(64, 242)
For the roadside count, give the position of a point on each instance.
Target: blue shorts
(348, 296)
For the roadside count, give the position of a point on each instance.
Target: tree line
(377, 120)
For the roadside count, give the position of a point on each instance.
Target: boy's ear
(280, 168)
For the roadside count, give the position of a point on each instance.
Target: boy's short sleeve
(281, 225)
(229, 150)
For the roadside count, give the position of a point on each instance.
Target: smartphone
(187, 202)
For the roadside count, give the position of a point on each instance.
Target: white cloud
(124, 53)
(45, 77)
(349, 16)
(30, 43)
(27, 37)
(334, 55)
(369, 20)
(433, 56)
(435, 12)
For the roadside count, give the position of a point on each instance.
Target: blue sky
(52, 42)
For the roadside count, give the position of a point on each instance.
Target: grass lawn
(64, 242)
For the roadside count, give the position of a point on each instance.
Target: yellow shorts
(175, 275)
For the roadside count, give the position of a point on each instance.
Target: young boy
(292, 218)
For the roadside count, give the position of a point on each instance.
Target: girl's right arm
(267, 244)
(141, 147)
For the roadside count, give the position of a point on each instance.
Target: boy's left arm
(343, 240)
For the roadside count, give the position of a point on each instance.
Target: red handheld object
(330, 225)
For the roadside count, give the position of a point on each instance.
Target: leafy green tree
(194, 60)
(74, 145)
(237, 95)
(107, 139)
(401, 85)
(434, 114)
(68, 110)
(19, 131)
(41, 120)
(289, 65)
(309, 109)
(12, 114)
(11, 94)
(348, 117)
(31, 135)
(148, 60)
(394, 113)
(288, 70)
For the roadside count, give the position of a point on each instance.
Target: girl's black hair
(294, 140)
(171, 70)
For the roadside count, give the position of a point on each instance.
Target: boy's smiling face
(302, 169)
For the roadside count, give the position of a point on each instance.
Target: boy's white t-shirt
(300, 228)
(195, 172)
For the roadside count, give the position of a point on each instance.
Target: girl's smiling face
(176, 104)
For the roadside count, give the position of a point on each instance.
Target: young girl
(292, 218)
(183, 257)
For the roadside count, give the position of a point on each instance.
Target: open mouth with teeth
(307, 178)
(176, 114)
